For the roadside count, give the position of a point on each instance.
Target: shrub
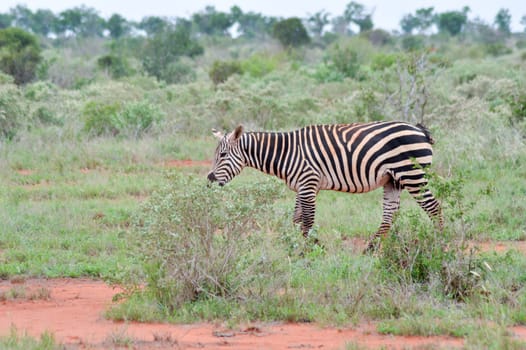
(116, 66)
(133, 119)
(413, 43)
(344, 60)
(137, 118)
(378, 37)
(222, 70)
(417, 253)
(259, 65)
(497, 49)
(291, 32)
(12, 113)
(518, 108)
(194, 241)
(20, 54)
(101, 119)
(179, 72)
(382, 61)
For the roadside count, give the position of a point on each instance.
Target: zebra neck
(268, 151)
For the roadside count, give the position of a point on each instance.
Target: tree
(452, 22)
(118, 26)
(523, 22)
(5, 20)
(425, 18)
(153, 25)
(421, 20)
(340, 25)
(355, 13)
(503, 21)
(290, 32)
(83, 21)
(251, 24)
(19, 54)
(22, 17)
(212, 22)
(317, 22)
(43, 22)
(163, 51)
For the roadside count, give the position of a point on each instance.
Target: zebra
(355, 158)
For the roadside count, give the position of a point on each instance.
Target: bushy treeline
(86, 22)
(159, 46)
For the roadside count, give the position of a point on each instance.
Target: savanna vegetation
(92, 109)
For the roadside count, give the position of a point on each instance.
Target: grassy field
(78, 203)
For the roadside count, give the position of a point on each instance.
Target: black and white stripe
(354, 158)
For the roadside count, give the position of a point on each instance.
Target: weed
(16, 341)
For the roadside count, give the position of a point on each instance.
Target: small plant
(193, 239)
(222, 70)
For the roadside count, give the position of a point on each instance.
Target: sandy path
(73, 312)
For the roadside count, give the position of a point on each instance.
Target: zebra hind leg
(391, 204)
(431, 206)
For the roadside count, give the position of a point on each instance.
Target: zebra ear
(237, 133)
(217, 134)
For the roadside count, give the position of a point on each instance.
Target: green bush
(101, 119)
(382, 61)
(132, 120)
(497, 49)
(116, 66)
(415, 252)
(344, 59)
(413, 43)
(222, 70)
(179, 72)
(137, 118)
(19, 54)
(259, 65)
(195, 241)
(13, 114)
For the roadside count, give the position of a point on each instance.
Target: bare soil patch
(73, 311)
(186, 163)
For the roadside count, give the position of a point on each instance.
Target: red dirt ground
(72, 310)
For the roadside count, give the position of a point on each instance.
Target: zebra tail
(426, 132)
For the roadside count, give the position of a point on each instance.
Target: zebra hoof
(372, 247)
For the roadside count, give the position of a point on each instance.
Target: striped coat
(355, 158)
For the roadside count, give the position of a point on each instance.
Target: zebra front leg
(297, 212)
(391, 204)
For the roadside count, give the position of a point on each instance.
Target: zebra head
(228, 160)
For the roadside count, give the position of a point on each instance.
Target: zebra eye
(222, 154)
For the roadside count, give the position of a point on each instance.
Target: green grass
(17, 341)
